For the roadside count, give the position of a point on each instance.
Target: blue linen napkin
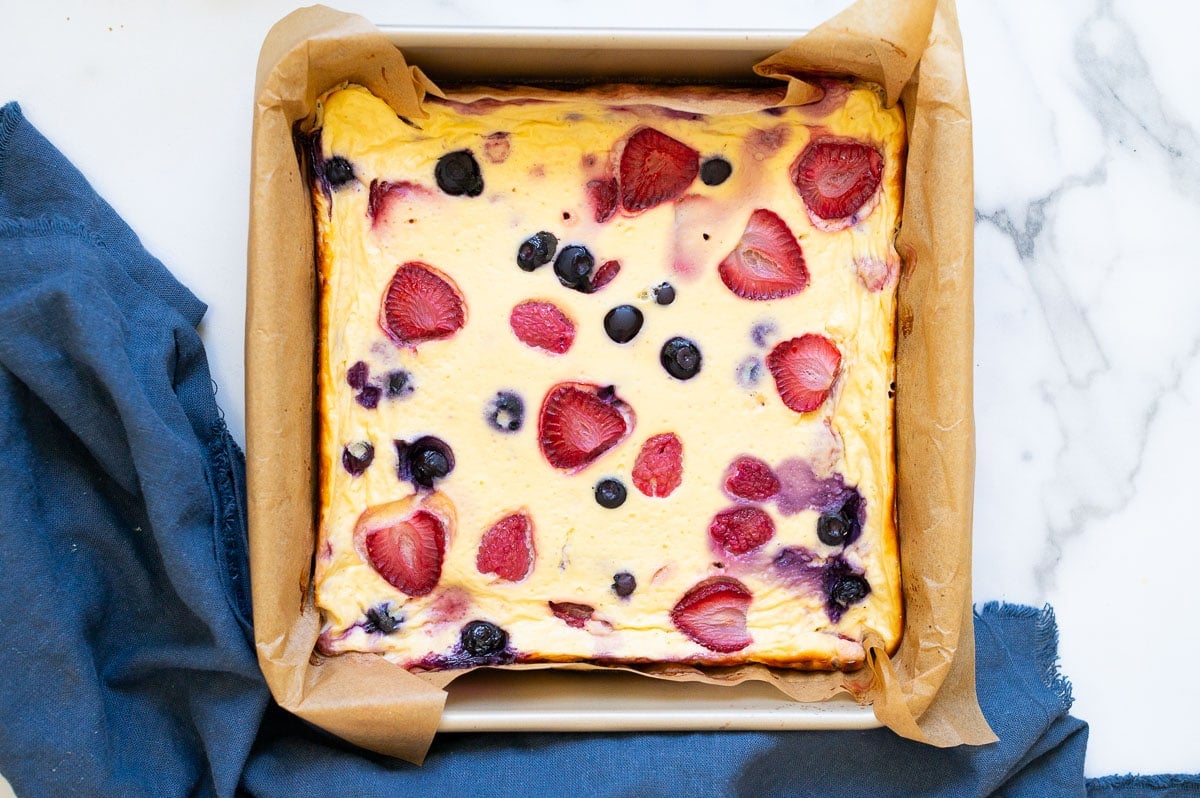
(125, 638)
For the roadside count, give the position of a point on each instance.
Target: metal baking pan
(573, 701)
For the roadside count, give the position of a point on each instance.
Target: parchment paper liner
(926, 691)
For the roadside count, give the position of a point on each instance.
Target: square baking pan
(558, 699)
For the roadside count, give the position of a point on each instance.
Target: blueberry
(356, 457)
(848, 589)
(715, 171)
(457, 173)
(537, 250)
(368, 397)
(381, 620)
(338, 171)
(664, 293)
(832, 529)
(573, 266)
(356, 375)
(624, 584)
(506, 412)
(610, 493)
(398, 383)
(762, 333)
(681, 358)
(482, 638)
(749, 372)
(623, 323)
(424, 461)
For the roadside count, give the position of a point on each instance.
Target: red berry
(574, 615)
(543, 326)
(741, 529)
(713, 614)
(602, 194)
(767, 262)
(421, 304)
(750, 478)
(579, 421)
(408, 552)
(506, 549)
(804, 369)
(658, 469)
(836, 177)
(605, 274)
(655, 168)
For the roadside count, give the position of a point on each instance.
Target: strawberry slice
(607, 272)
(421, 304)
(602, 194)
(750, 478)
(713, 614)
(506, 549)
(804, 369)
(658, 469)
(579, 422)
(655, 168)
(836, 176)
(408, 552)
(741, 529)
(767, 262)
(572, 614)
(542, 325)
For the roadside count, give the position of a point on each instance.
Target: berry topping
(380, 620)
(482, 638)
(655, 168)
(750, 478)
(496, 147)
(542, 325)
(624, 584)
(681, 358)
(607, 272)
(843, 526)
(767, 262)
(338, 171)
(762, 333)
(368, 397)
(383, 193)
(832, 529)
(356, 457)
(356, 375)
(715, 171)
(537, 250)
(602, 194)
(835, 177)
(748, 372)
(398, 383)
(457, 173)
(421, 304)
(623, 323)
(664, 293)
(610, 493)
(658, 469)
(713, 614)
(574, 615)
(506, 549)
(579, 422)
(506, 412)
(804, 369)
(573, 267)
(424, 461)
(846, 590)
(741, 529)
(408, 552)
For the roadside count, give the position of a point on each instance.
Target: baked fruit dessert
(607, 376)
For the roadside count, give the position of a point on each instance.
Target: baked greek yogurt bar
(607, 376)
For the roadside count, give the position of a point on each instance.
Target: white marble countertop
(1087, 162)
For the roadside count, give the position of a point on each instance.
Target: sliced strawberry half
(421, 304)
(572, 614)
(658, 469)
(804, 369)
(543, 326)
(767, 262)
(579, 422)
(654, 169)
(506, 549)
(750, 478)
(741, 529)
(836, 176)
(713, 614)
(602, 194)
(408, 552)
